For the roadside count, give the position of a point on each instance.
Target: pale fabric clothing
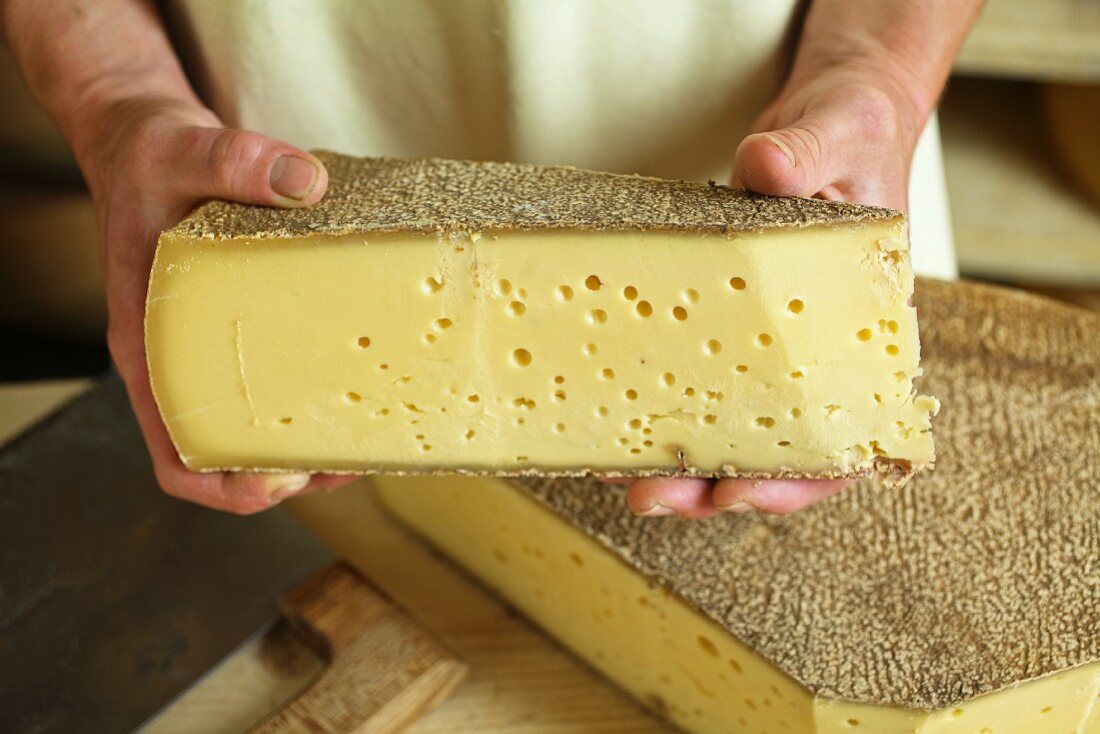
(658, 87)
(929, 213)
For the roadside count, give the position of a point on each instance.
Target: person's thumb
(246, 167)
(791, 161)
(840, 141)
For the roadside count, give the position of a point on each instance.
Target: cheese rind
(785, 352)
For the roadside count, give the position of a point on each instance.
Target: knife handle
(383, 670)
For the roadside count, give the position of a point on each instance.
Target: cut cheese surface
(723, 347)
(967, 602)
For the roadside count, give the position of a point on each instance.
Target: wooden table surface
(520, 681)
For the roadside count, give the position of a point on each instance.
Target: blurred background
(1020, 124)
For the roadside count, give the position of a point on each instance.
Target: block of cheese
(966, 603)
(433, 315)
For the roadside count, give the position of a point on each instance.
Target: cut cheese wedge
(967, 603)
(442, 316)
(675, 660)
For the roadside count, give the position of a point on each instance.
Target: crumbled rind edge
(891, 472)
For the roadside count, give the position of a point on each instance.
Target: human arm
(105, 71)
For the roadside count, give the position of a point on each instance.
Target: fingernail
(281, 486)
(778, 143)
(737, 506)
(658, 510)
(294, 177)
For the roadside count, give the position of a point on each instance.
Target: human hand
(148, 163)
(847, 134)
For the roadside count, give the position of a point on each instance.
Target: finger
(329, 482)
(767, 162)
(239, 493)
(254, 491)
(244, 166)
(844, 134)
(775, 496)
(662, 496)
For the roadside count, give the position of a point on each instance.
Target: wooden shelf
(1050, 40)
(1016, 214)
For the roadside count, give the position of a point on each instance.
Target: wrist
(912, 99)
(904, 49)
(87, 62)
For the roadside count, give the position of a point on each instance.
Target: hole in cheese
(521, 357)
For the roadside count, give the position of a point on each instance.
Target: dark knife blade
(113, 596)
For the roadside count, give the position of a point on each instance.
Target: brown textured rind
(972, 578)
(379, 195)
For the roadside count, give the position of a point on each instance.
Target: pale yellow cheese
(665, 653)
(781, 351)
